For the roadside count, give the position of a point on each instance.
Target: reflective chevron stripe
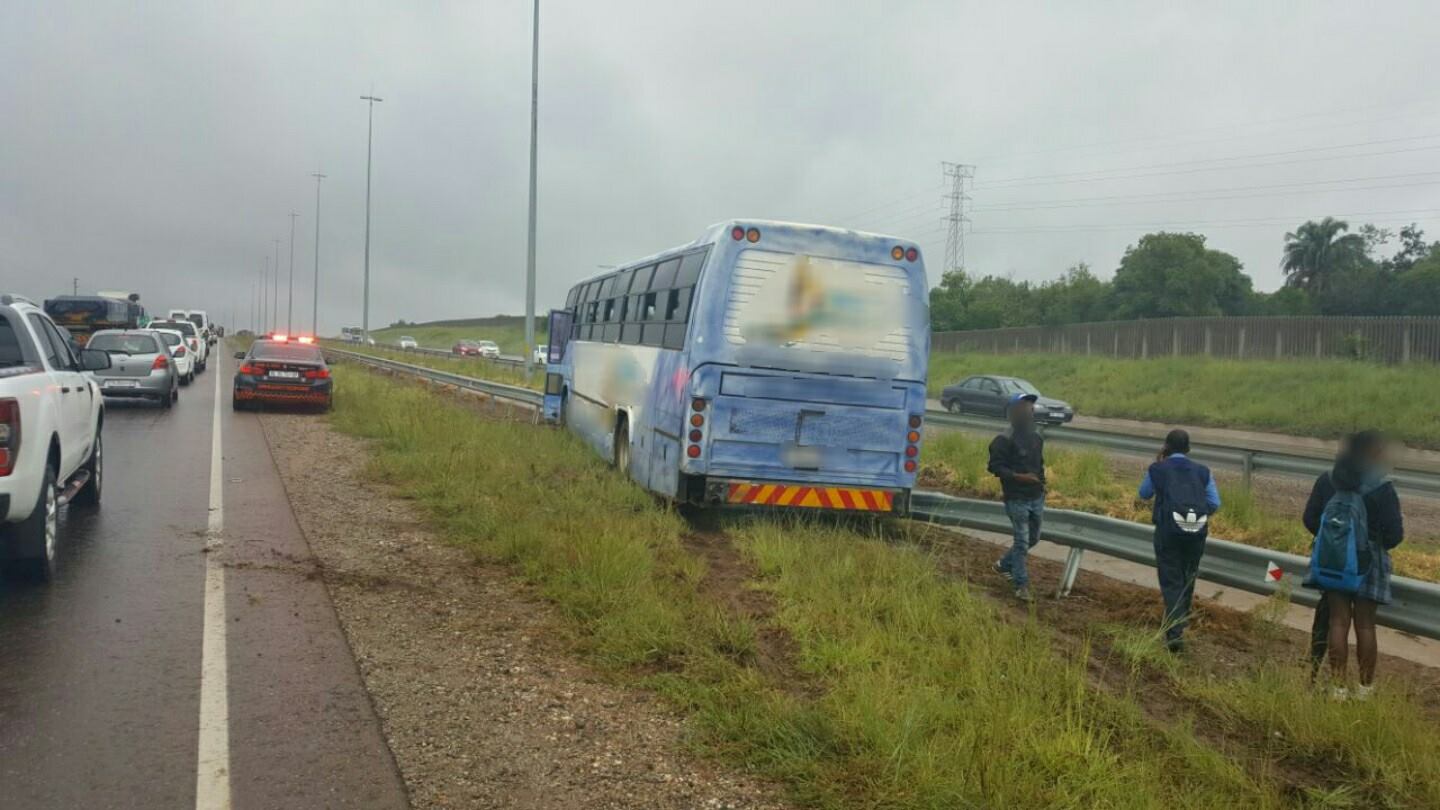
(807, 497)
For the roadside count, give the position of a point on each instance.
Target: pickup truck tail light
(9, 435)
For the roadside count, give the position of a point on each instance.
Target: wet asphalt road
(100, 671)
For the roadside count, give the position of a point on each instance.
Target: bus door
(559, 331)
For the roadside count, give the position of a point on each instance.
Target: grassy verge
(509, 336)
(1324, 398)
(1083, 480)
(467, 366)
(905, 689)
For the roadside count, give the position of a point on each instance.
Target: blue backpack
(1342, 553)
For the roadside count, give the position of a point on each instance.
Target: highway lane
(100, 671)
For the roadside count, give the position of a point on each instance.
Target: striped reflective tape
(797, 495)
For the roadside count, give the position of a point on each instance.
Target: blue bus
(764, 364)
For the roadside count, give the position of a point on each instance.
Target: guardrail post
(1072, 570)
(1247, 468)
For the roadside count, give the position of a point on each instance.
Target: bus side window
(641, 282)
(690, 268)
(677, 307)
(631, 329)
(665, 275)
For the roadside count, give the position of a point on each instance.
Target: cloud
(161, 149)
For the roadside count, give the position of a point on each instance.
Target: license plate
(284, 375)
(800, 457)
(1057, 415)
(122, 383)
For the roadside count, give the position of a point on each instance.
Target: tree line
(1329, 270)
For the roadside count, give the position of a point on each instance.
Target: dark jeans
(1177, 561)
(1026, 516)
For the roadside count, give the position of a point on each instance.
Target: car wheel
(175, 394)
(166, 401)
(36, 537)
(90, 494)
(953, 406)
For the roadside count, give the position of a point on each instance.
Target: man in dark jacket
(1359, 467)
(1185, 497)
(1017, 458)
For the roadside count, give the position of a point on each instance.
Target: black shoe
(1175, 645)
(999, 568)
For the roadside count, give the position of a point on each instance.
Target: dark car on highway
(282, 371)
(988, 394)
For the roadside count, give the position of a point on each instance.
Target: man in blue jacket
(1185, 497)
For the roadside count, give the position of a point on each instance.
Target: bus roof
(721, 230)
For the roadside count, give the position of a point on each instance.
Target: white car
(197, 344)
(51, 417)
(202, 325)
(490, 349)
(184, 358)
(541, 355)
(407, 342)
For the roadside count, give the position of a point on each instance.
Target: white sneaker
(1340, 694)
(1364, 691)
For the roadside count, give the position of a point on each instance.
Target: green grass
(904, 690)
(955, 461)
(508, 332)
(1324, 398)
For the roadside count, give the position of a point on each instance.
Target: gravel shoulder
(482, 701)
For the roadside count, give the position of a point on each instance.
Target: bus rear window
(817, 304)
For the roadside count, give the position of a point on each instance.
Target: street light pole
(530, 243)
(315, 297)
(275, 310)
(369, 143)
(265, 298)
(290, 306)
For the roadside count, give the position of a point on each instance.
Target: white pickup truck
(51, 416)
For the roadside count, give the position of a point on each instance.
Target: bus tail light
(912, 443)
(9, 434)
(693, 451)
(911, 254)
(910, 465)
(697, 421)
(897, 253)
(737, 233)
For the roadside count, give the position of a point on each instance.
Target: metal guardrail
(1248, 460)
(514, 393)
(1415, 607)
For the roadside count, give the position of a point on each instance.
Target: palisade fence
(1397, 339)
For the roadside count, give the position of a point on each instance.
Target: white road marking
(212, 778)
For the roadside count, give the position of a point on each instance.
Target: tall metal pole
(315, 296)
(530, 244)
(275, 310)
(369, 142)
(265, 298)
(290, 307)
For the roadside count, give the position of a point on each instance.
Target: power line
(1013, 182)
(1209, 195)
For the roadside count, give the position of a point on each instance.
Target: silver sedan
(140, 366)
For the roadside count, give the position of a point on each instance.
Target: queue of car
(54, 388)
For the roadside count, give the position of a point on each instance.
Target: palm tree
(1316, 251)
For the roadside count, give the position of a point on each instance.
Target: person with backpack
(1185, 497)
(1355, 516)
(1017, 458)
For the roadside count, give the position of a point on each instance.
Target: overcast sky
(159, 147)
